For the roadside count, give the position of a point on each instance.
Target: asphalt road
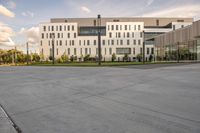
(102, 100)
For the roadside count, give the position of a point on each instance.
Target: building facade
(180, 44)
(77, 37)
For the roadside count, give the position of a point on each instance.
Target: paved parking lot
(102, 100)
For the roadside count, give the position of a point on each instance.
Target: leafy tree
(87, 57)
(64, 58)
(113, 57)
(139, 57)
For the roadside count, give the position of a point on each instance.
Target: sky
(19, 19)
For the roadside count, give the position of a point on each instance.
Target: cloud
(28, 14)
(32, 34)
(180, 11)
(85, 9)
(4, 11)
(149, 2)
(5, 35)
(11, 4)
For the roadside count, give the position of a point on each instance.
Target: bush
(87, 57)
(113, 57)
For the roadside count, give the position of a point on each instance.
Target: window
(58, 35)
(68, 28)
(121, 42)
(72, 42)
(148, 51)
(56, 28)
(72, 28)
(120, 27)
(108, 42)
(68, 51)
(44, 28)
(68, 35)
(125, 27)
(129, 27)
(110, 35)
(134, 42)
(81, 51)
(52, 28)
(128, 42)
(112, 42)
(95, 42)
(110, 51)
(119, 34)
(182, 26)
(65, 28)
(134, 51)
(60, 43)
(49, 43)
(139, 27)
(152, 50)
(42, 35)
(104, 42)
(74, 51)
(105, 51)
(117, 27)
(141, 51)
(141, 34)
(86, 51)
(89, 50)
(157, 22)
(95, 22)
(88, 42)
(108, 27)
(133, 35)
(84, 42)
(60, 28)
(135, 27)
(79, 42)
(49, 28)
(123, 51)
(57, 51)
(40, 43)
(112, 27)
(139, 42)
(66, 42)
(57, 42)
(128, 34)
(74, 35)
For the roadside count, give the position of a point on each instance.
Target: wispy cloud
(5, 35)
(28, 14)
(4, 11)
(11, 4)
(180, 11)
(85, 9)
(31, 34)
(149, 2)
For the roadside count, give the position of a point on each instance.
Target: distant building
(120, 36)
(181, 44)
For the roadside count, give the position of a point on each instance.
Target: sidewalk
(5, 123)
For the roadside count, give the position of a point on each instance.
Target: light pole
(27, 53)
(143, 49)
(99, 39)
(53, 58)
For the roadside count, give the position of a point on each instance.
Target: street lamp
(99, 39)
(53, 58)
(143, 48)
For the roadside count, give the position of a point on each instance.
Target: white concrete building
(78, 36)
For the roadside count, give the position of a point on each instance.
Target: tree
(125, 58)
(64, 58)
(151, 58)
(87, 57)
(139, 57)
(35, 57)
(113, 57)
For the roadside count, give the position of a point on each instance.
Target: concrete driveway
(102, 100)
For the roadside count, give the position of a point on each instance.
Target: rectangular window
(134, 51)
(139, 42)
(79, 42)
(117, 27)
(104, 42)
(134, 42)
(49, 43)
(72, 42)
(108, 27)
(68, 28)
(125, 27)
(139, 28)
(95, 42)
(110, 51)
(52, 28)
(56, 28)
(133, 35)
(110, 34)
(123, 51)
(128, 34)
(58, 35)
(42, 35)
(157, 22)
(112, 27)
(108, 42)
(44, 28)
(74, 35)
(121, 42)
(135, 27)
(57, 51)
(119, 34)
(90, 51)
(68, 35)
(141, 51)
(60, 43)
(129, 27)
(141, 34)
(66, 42)
(147, 51)
(40, 43)
(174, 27)
(81, 51)
(112, 42)
(72, 28)
(60, 28)
(152, 51)
(65, 27)
(86, 51)
(68, 51)
(88, 42)
(74, 51)
(128, 42)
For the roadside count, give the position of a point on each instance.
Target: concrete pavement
(102, 100)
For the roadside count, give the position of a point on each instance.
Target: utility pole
(53, 58)
(143, 49)
(15, 55)
(178, 52)
(99, 39)
(27, 48)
